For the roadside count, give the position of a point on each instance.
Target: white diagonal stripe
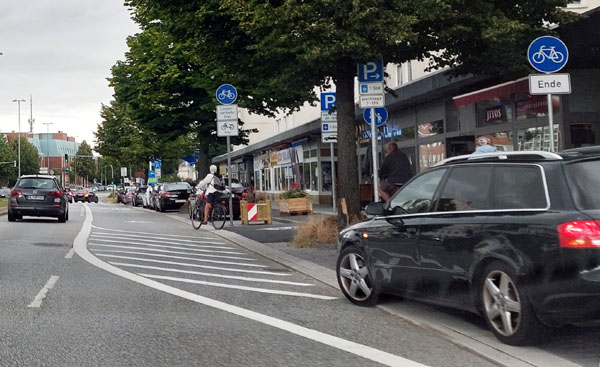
(194, 265)
(162, 239)
(261, 280)
(222, 285)
(171, 256)
(176, 247)
(154, 234)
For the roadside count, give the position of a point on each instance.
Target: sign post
(372, 96)
(548, 55)
(227, 125)
(329, 134)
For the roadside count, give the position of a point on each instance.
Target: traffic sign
(370, 72)
(549, 84)
(123, 171)
(371, 101)
(227, 128)
(328, 116)
(226, 94)
(328, 100)
(370, 88)
(157, 173)
(547, 54)
(381, 116)
(328, 127)
(227, 112)
(329, 137)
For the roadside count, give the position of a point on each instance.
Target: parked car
(125, 195)
(147, 199)
(172, 195)
(518, 245)
(4, 192)
(38, 196)
(138, 195)
(69, 194)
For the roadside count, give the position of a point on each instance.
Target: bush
(294, 194)
(318, 229)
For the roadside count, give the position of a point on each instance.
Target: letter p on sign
(328, 100)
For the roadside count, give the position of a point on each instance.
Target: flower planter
(295, 206)
(260, 212)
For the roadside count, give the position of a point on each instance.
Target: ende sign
(493, 114)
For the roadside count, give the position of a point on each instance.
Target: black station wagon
(511, 236)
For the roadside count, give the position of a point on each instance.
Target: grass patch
(3, 202)
(318, 230)
(112, 198)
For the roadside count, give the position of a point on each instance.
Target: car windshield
(36, 183)
(584, 181)
(176, 186)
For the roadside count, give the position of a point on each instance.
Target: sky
(60, 52)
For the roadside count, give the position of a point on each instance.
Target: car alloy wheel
(354, 278)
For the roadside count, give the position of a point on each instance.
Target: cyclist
(208, 185)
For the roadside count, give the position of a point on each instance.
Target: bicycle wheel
(219, 215)
(197, 215)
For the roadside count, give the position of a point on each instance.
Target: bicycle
(217, 216)
(226, 94)
(548, 53)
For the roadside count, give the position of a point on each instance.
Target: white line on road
(173, 241)
(194, 265)
(170, 256)
(276, 229)
(69, 254)
(348, 346)
(154, 234)
(241, 287)
(37, 301)
(179, 240)
(260, 280)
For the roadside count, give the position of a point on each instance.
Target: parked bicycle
(217, 216)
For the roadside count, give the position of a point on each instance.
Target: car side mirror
(375, 208)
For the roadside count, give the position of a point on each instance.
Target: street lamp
(47, 143)
(19, 136)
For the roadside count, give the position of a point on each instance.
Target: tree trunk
(202, 162)
(346, 146)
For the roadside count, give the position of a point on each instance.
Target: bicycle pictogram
(226, 94)
(227, 127)
(548, 53)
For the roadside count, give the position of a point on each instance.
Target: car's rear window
(177, 186)
(584, 180)
(36, 183)
(130, 189)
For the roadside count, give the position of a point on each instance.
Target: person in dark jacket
(395, 170)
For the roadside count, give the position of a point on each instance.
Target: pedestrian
(395, 171)
(210, 185)
(484, 145)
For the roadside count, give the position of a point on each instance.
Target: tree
(84, 164)
(30, 158)
(296, 45)
(8, 172)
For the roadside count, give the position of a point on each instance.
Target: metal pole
(19, 134)
(229, 179)
(374, 154)
(333, 196)
(551, 122)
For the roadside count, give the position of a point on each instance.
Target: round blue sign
(547, 54)
(226, 94)
(381, 116)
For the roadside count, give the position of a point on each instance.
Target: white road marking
(357, 349)
(154, 234)
(37, 301)
(179, 240)
(240, 287)
(194, 265)
(137, 221)
(170, 256)
(179, 248)
(275, 229)
(69, 254)
(166, 240)
(260, 280)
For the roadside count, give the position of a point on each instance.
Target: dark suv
(512, 236)
(38, 196)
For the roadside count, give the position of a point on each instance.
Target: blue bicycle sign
(226, 94)
(547, 54)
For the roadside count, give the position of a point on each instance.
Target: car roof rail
(511, 155)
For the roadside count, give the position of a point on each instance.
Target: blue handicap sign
(325, 127)
(328, 100)
(381, 116)
(547, 54)
(226, 94)
(370, 72)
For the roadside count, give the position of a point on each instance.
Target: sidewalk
(318, 209)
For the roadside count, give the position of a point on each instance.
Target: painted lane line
(245, 279)
(69, 254)
(170, 256)
(179, 248)
(135, 236)
(156, 234)
(209, 244)
(240, 287)
(195, 265)
(356, 349)
(37, 301)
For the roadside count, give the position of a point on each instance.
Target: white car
(147, 198)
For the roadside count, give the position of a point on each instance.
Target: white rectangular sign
(329, 137)
(372, 101)
(157, 173)
(328, 127)
(227, 128)
(370, 88)
(227, 112)
(549, 84)
(328, 117)
(123, 171)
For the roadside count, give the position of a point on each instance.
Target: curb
(3, 211)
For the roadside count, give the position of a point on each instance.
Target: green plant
(294, 194)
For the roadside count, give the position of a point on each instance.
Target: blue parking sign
(328, 100)
(370, 72)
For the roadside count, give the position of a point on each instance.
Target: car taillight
(55, 193)
(16, 193)
(580, 234)
(223, 202)
(129, 194)
(166, 194)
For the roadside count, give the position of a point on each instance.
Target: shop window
(431, 128)
(538, 138)
(496, 111)
(451, 117)
(257, 181)
(503, 141)
(582, 135)
(430, 154)
(306, 177)
(313, 153)
(306, 154)
(277, 186)
(535, 109)
(326, 168)
(267, 179)
(314, 173)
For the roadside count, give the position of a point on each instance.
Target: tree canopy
(8, 172)
(30, 158)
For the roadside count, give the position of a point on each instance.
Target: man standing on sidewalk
(395, 171)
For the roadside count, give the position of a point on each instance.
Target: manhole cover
(52, 244)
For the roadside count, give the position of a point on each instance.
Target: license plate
(35, 197)
(180, 201)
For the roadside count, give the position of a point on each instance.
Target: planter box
(260, 212)
(295, 206)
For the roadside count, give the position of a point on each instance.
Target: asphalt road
(159, 293)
